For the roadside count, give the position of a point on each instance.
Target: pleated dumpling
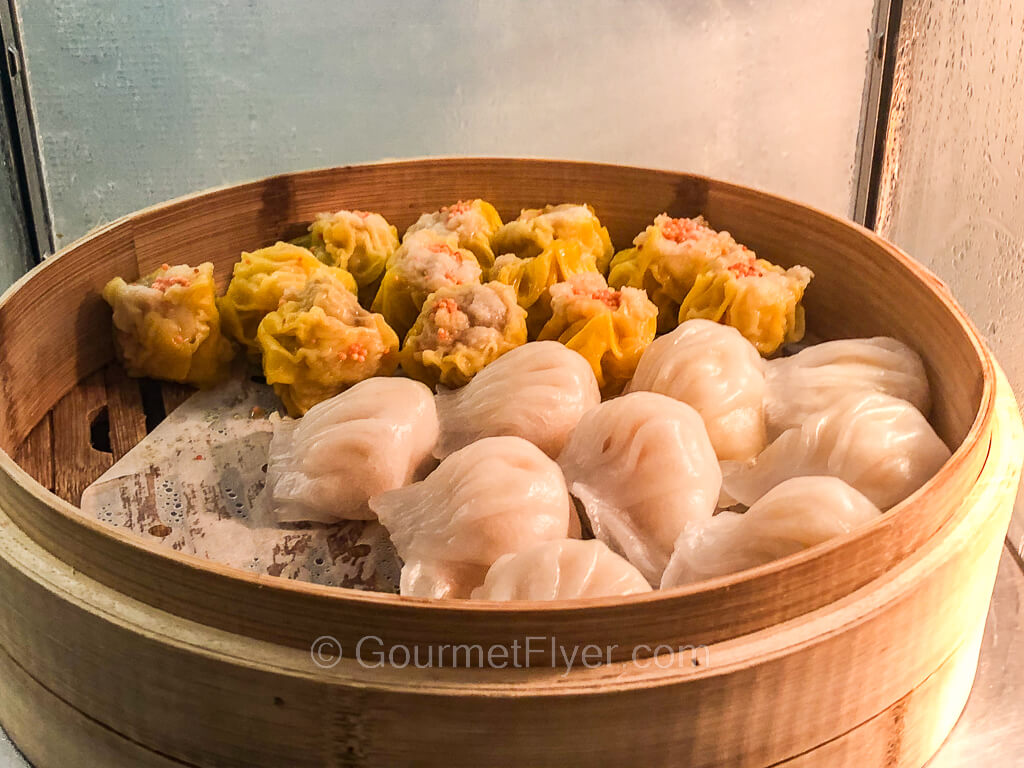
(460, 330)
(535, 228)
(642, 466)
(561, 570)
(666, 259)
(714, 369)
(372, 438)
(260, 280)
(358, 241)
(166, 325)
(473, 222)
(426, 262)
(814, 378)
(533, 276)
(759, 299)
(611, 329)
(320, 341)
(538, 392)
(498, 496)
(879, 444)
(794, 515)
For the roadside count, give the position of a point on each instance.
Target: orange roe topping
(462, 206)
(681, 230)
(163, 283)
(363, 214)
(445, 248)
(612, 298)
(746, 269)
(356, 352)
(443, 334)
(448, 305)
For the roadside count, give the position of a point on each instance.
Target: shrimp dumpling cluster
(321, 341)
(474, 223)
(879, 444)
(426, 262)
(561, 570)
(610, 328)
(166, 325)
(372, 438)
(497, 496)
(535, 229)
(809, 381)
(794, 515)
(360, 242)
(538, 391)
(719, 373)
(460, 330)
(642, 466)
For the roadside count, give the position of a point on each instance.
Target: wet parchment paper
(196, 482)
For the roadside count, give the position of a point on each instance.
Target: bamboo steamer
(858, 652)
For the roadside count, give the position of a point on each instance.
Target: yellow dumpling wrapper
(260, 280)
(166, 325)
(425, 262)
(357, 241)
(757, 298)
(473, 222)
(666, 259)
(320, 342)
(610, 328)
(461, 329)
(528, 235)
(532, 278)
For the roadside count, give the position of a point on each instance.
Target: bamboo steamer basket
(858, 652)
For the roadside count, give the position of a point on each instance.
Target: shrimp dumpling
(879, 444)
(714, 369)
(642, 466)
(537, 391)
(814, 378)
(371, 438)
(561, 570)
(497, 496)
(794, 515)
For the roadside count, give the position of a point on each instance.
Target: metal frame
(875, 116)
(23, 137)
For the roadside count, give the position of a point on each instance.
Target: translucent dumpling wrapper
(532, 277)
(814, 378)
(258, 283)
(881, 445)
(666, 259)
(357, 241)
(642, 466)
(320, 342)
(712, 368)
(166, 325)
(535, 229)
(794, 515)
(611, 329)
(498, 496)
(759, 299)
(537, 391)
(460, 330)
(561, 570)
(426, 262)
(473, 222)
(375, 437)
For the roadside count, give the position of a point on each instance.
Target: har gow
(374, 437)
(642, 466)
(538, 392)
(712, 368)
(497, 496)
(879, 444)
(815, 377)
(561, 570)
(794, 515)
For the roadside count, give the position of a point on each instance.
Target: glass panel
(140, 101)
